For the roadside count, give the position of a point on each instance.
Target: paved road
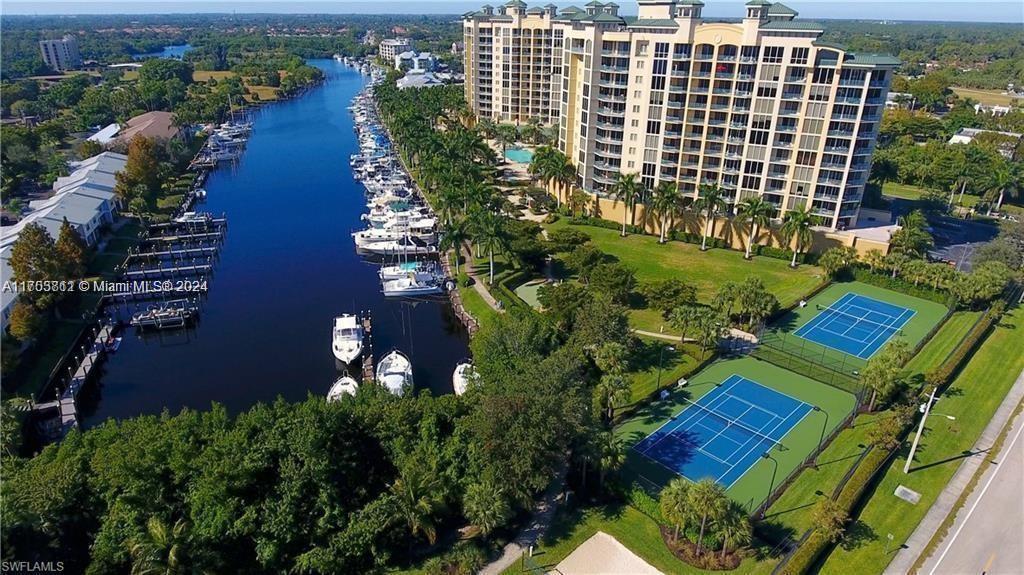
(988, 535)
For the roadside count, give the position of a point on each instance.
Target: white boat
(394, 372)
(345, 385)
(193, 217)
(464, 375)
(412, 285)
(347, 341)
(403, 246)
(404, 269)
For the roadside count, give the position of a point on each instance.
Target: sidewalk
(944, 505)
(478, 281)
(543, 513)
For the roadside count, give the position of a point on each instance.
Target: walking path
(478, 281)
(543, 513)
(944, 505)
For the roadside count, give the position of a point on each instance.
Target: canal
(287, 267)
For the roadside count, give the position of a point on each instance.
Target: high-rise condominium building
(61, 54)
(391, 47)
(761, 107)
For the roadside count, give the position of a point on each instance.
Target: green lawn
(705, 270)
(750, 489)
(911, 192)
(675, 363)
(927, 315)
(943, 342)
(632, 528)
(476, 306)
(972, 398)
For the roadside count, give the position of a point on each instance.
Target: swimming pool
(519, 155)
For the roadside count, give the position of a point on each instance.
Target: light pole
(771, 484)
(925, 410)
(824, 426)
(661, 361)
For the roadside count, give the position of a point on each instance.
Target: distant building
(391, 47)
(61, 55)
(457, 48)
(418, 79)
(1006, 149)
(992, 110)
(106, 134)
(411, 60)
(159, 125)
(898, 100)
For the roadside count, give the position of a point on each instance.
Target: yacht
(403, 246)
(344, 385)
(394, 372)
(404, 269)
(412, 285)
(464, 375)
(168, 315)
(348, 338)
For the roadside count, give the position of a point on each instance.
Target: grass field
(750, 489)
(705, 270)
(632, 528)
(910, 192)
(943, 342)
(986, 97)
(644, 380)
(972, 399)
(928, 314)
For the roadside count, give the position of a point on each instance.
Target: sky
(1010, 11)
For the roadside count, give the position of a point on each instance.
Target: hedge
(899, 285)
(945, 373)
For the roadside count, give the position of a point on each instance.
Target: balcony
(614, 69)
(786, 128)
(849, 100)
(700, 74)
(609, 139)
(844, 116)
(841, 133)
(792, 95)
(838, 149)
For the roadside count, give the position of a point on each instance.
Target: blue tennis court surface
(856, 324)
(723, 434)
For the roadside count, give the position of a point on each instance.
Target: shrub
(666, 295)
(565, 239)
(883, 280)
(464, 280)
(551, 218)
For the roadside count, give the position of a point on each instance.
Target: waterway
(287, 267)
(176, 52)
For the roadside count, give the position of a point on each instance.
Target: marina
(289, 262)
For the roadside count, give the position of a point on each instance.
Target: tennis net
(729, 422)
(859, 319)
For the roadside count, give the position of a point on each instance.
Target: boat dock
(168, 272)
(182, 254)
(66, 403)
(367, 371)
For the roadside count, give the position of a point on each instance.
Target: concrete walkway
(538, 524)
(944, 505)
(478, 280)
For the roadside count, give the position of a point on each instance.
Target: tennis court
(856, 324)
(725, 432)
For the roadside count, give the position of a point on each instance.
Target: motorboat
(394, 372)
(404, 269)
(168, 315)
(347, 341)
(403, 246)
(344, 385)
(412, 285)
(465, 374)
(193, 217)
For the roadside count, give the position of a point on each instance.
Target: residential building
(513, 62)
(992, 110)
(1006, 142)
(761, 107)
(391, 47)
(85, 198)
(159, 125)
(412, 60)
(418, 79)
(61, 55)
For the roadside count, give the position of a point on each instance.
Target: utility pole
(920, 429)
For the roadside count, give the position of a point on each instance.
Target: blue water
(520, 155)
(176, 52)
(287, 267)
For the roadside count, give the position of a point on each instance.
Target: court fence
(793, 353)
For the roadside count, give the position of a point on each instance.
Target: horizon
(988, 12)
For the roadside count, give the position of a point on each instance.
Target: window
(806, 158)
(772, 55)
(766, 91)
(758, 138)
(636, 109)
(799, 55)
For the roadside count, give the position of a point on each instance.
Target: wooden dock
(66, 403)
(175, 271)
(182, 254)
(367, 367)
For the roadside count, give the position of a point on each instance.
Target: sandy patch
(602, 554)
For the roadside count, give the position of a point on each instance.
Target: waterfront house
(158, 125)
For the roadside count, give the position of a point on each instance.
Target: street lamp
(771, 484)
(824, 427)
(661, 361)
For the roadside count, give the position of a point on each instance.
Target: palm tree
(486, 506)
(711, 200)
(912, 239)
(627, 190)
(613, 455)
(1001, 181)
(797, 224)
(506, 135)
(875, 260)
(734, 528)
(453, 237)
(612, 391)
(416, 492)
(758, 213)
(674, 503)
(683, 317)
(161, 550)
(664, 202)
(542, 164)
(709, 329)
(708, 501)
(564, 175)
(578, 201)
(491, 236)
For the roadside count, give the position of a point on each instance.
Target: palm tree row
(551, 166)
(703, 506)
